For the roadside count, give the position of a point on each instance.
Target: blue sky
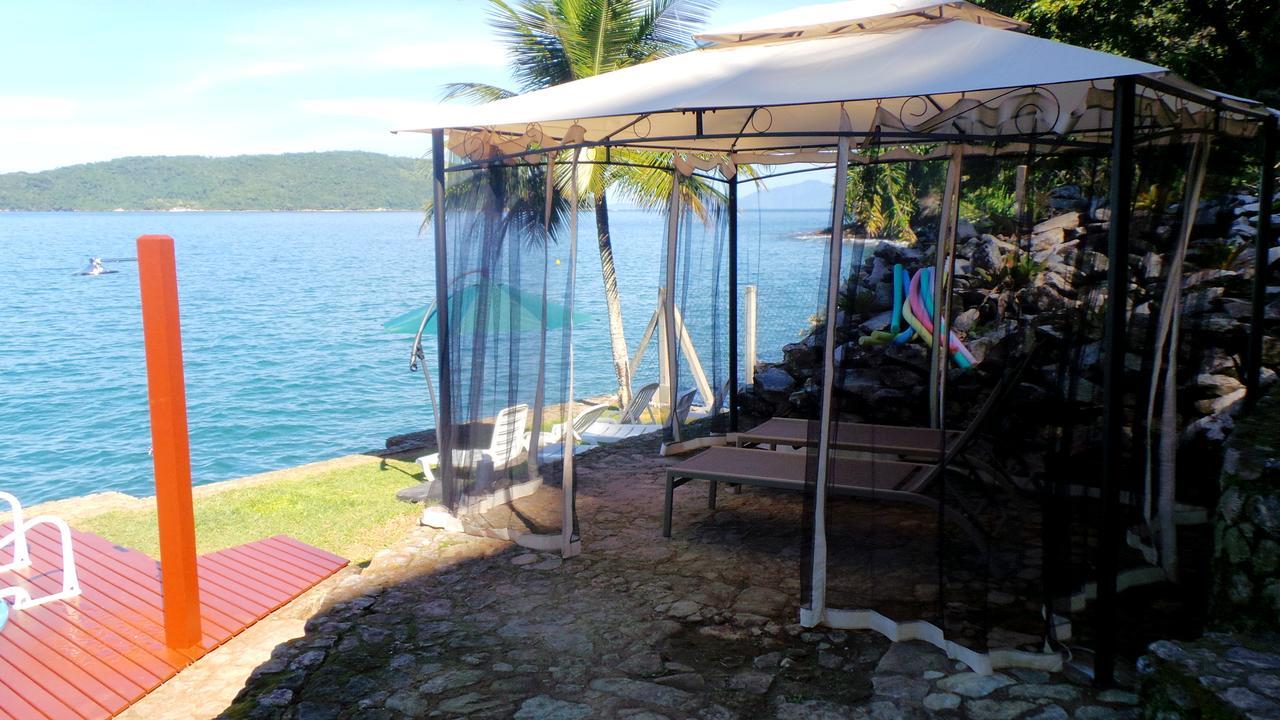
(91, 80)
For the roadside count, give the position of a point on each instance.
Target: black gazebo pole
(444, 444)
(1262, 248)
(1113, 353)
(733, 303)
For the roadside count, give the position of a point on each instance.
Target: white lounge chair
(628, 424)
(683, 405)
(553, 449)
(507, 447)
(641, 402)
(581, 421)
(21, 557)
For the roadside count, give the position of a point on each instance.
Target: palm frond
(532, 33)
(667, 27)
(645, 180)
(474, 92)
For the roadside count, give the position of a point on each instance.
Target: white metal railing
(17, 537)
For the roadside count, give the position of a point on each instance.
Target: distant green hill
(295, 181)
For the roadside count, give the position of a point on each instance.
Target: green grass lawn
(351, 511)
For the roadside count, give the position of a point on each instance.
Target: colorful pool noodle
(895, 325)
(916, 309)
(962, 356)
(896, 335)
(903, 279)
(926, 291)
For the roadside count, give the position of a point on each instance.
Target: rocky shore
(1047, 288)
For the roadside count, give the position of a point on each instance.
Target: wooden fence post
(158, 276)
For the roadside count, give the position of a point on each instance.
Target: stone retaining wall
(1246, 591)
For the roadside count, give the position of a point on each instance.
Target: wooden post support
(157, 273)
(749, 300)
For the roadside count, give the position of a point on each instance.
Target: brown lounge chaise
(913, 443)
(889, 480)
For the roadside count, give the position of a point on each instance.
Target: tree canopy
(1227, 45)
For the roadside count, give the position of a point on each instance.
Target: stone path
(1217, 676)
(639, 627)
(210, 684)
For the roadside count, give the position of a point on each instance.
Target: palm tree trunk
(617, 334)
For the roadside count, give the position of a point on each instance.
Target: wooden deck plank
(225, 618)
(280, 551)
(99, 680)
(270, 559)
(103, 642)
(134, 576)
(243, 562)
(12, 705)
(31, 695)
(112, 607)
(94, 655)
(322, 557)
(33, 673)
(220, 585)
(127, 596)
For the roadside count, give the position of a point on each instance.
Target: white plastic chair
(22, 557)
(641, 402)
(683, 405)
(581, 421)
(506, 448)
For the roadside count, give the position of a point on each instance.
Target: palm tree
(550, 42)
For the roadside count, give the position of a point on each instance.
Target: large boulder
(773, 379)
(1063, 221)
(985, 253)
(1067, 197)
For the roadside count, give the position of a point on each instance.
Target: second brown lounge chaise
(907, 442)
(873, 479)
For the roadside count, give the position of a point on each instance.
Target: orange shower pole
(171, 454)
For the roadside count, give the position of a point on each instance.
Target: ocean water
(286, 360)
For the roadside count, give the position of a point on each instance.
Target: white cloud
(443, 54)
(36, 107)
(392, 113)
(249, 71)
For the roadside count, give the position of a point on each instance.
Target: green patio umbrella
(510, 309)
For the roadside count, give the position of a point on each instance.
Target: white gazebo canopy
(909, 70)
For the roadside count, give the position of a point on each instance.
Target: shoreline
(80, 507)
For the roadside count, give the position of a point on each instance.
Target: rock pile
(1047, 286)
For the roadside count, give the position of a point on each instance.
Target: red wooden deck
(94, 655)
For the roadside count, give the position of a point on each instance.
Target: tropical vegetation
(550, 42)
(1230, 45)
(295, 181)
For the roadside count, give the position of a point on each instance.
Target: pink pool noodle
(917, 309)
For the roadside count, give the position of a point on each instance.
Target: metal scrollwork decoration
(648, 127)
(759, 125)
(1029, 111)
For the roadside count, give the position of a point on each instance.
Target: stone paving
(702, 625)
(1217, 676)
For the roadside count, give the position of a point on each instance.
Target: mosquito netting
(508, 374)
(1032, 302)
